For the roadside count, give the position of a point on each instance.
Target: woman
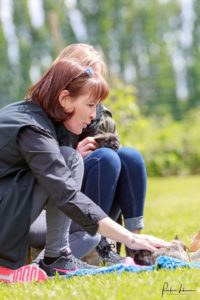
(37, 169)
(123, 186)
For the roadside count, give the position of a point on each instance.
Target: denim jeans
(117, 179)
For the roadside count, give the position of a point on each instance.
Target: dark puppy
(107, 140)
(144, 257)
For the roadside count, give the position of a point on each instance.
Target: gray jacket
(18, 176)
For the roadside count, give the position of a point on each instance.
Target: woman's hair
(71, 76)
(86, 55)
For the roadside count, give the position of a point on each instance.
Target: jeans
(117, 179)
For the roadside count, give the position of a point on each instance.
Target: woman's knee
(132, 156)
(108, 158)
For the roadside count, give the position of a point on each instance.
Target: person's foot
(108, 256)
(27, 273)
(64, 264)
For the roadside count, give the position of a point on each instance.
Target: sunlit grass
(172, 208)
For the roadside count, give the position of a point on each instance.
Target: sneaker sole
(28, 273)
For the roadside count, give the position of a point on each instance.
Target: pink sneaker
(26, 273)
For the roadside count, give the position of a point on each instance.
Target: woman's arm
(45, 161)
(116, 232)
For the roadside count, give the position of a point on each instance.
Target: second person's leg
(102, 169)
(131, 190)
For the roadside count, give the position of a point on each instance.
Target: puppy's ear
(180, 243)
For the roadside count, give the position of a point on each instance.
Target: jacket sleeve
(42, 154)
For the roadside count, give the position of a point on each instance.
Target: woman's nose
(93, 114)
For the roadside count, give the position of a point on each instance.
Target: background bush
(152, 45)
(169, 147)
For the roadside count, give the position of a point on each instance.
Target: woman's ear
(66, 101)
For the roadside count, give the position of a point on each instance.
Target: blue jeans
(117, 179)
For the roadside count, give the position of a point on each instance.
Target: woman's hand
(86, 146)
(145, 242)
(114, 231)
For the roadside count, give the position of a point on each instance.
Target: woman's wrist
(114, 231)
(130, 240)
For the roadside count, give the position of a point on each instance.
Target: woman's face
(84, 113)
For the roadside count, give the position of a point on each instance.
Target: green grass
(172, 207)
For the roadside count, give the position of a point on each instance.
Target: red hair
(66, 75)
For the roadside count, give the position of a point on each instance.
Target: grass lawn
(173, 207)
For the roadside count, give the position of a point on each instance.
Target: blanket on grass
(163, 262)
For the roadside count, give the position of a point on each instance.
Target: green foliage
(169, 147)
(172, 147)
(122, 103)
(139, 39)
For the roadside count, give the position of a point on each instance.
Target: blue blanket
(163, 262)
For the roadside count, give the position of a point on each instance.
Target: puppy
(107, 140)
(146, 258)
